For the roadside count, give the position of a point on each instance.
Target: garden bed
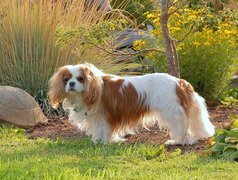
(61, 127)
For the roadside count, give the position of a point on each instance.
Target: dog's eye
(65, 80)
(80, 79)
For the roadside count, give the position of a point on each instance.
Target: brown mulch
(61, 127)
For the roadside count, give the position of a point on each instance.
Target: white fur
(165, 109)
(74, 70)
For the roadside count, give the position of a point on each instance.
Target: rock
(19, 108)
(126, 38)
(234, 81)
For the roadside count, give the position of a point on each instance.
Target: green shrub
(208, 56)
(208, 68)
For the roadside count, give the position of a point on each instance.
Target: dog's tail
(195, 108)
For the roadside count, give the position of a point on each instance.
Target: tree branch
(177, 9)
(173, 3)
(170, 47)
(114, 53)
(187, 34)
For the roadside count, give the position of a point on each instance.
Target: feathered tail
(195, 108)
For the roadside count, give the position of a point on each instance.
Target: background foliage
(208, 55)
(35, 40)
(135, 9)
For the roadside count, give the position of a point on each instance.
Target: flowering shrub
(208, 54)
(135, 8)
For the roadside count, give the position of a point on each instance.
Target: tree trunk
(218, 5)
(170, 47)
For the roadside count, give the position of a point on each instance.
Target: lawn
(76, 158)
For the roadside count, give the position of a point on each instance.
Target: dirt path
(60, 127)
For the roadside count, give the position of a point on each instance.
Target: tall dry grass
(29, 53)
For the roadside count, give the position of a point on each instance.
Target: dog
(108, 107)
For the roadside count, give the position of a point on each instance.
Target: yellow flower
(156, 32)
(196, 43)
(138, 44)
(181, 44)
(193, 17)
(150, 15)
(207, 43)
(225, 24)
(227, 32)
(210, 15)
(155, 21)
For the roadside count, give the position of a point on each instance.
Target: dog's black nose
(72, 84)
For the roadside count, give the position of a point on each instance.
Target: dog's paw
(185, 141)
(171, 142)
(189, 141)
(117, 139)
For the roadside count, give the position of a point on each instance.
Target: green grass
(22, 158)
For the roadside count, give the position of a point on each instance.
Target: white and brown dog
(108, 106)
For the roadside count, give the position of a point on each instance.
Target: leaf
(235, 124)
(235, 156)
(216, 149)
(230, 148)
(233, 132)
(230, 155)
(231, 140)
(220, 138)
(220, 135)
(221, 131)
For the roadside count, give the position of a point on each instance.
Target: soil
(61, 127)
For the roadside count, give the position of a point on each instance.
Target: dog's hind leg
(176, 121)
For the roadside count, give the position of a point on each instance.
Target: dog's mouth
(72, 89)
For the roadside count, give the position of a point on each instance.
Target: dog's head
(75, 80)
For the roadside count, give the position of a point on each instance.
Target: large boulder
(19, 108)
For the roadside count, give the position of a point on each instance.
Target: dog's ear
(92, 85)
(56, 93)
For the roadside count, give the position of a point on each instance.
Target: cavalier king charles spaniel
(108, 107)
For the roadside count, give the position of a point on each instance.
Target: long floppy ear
(92, 85)
(56, 93)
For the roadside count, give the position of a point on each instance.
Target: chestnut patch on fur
(57, 84)
(184, 91)
(92, 85)
(66, 75)
(122, 105)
